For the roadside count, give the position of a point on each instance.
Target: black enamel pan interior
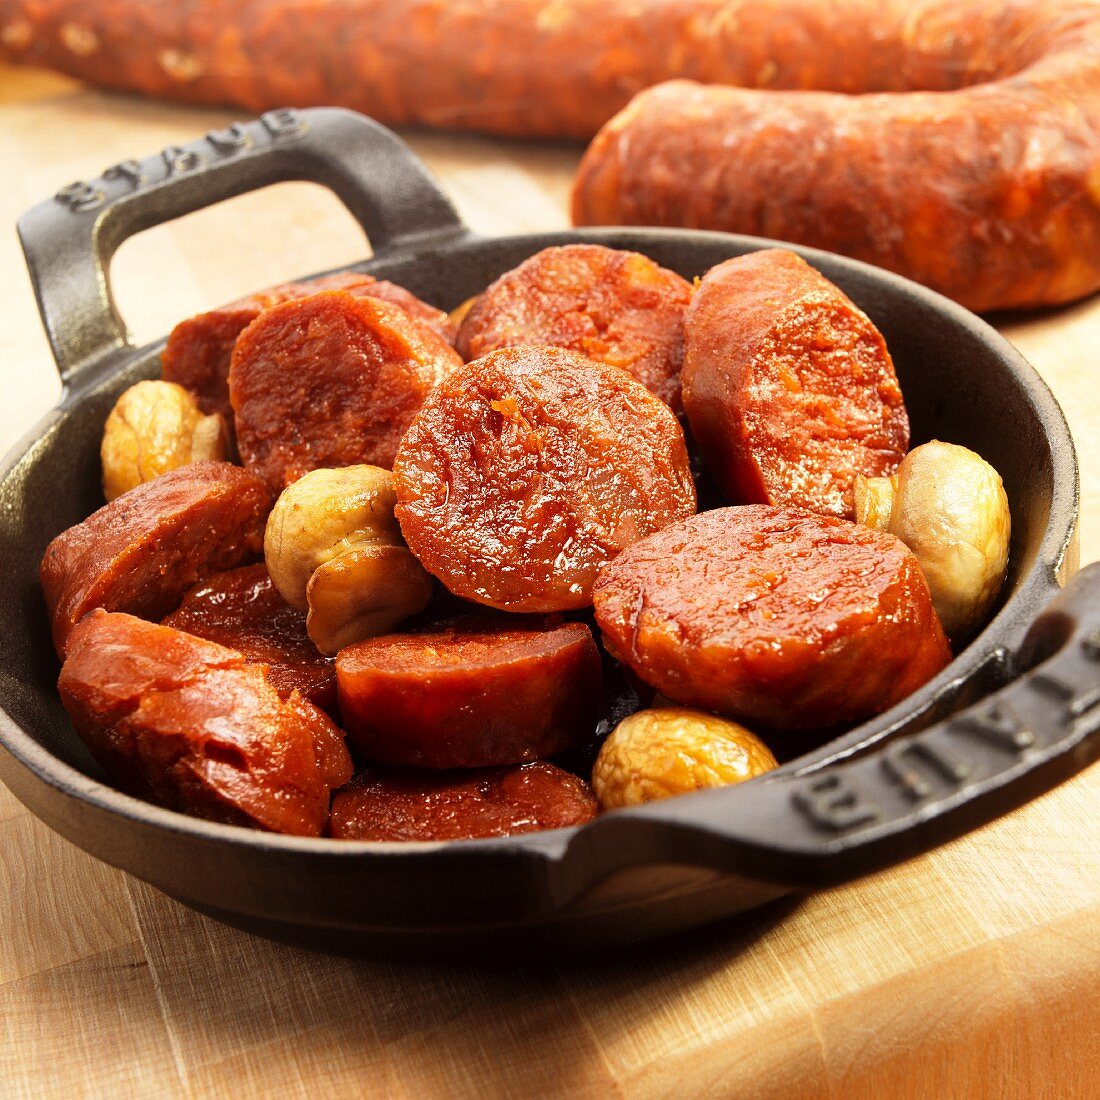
(893, 787)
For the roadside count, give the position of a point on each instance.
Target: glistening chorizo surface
(616, 307)
(242, 609)
(199, 349)
(529, 469)
(406, 804)
(775, 616)
(141, 552)
(192, 726)
(330, 380)
(788, 386)
(470, 696)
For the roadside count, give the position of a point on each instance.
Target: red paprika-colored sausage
(529, 469)
(788, 386)
(199, 349)
(471, 696)
(242, 610)
(950, 140)
(407, 804)
(191, 725)
(141, 552)
(330, 380)
(616, 307)
(773, 616)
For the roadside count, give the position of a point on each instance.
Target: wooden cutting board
(971, 972)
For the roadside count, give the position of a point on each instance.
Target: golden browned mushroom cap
(948, 505)
(664, 751)
(155, 427)
(333, 548)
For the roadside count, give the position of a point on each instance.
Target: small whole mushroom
(334, 550)
(663, 751)
(948, 505)
(155, 427)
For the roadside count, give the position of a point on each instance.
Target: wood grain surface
(970, 972)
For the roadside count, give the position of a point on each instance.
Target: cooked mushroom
(948, 505)
(664, 751)
(155, 427)
(333, 548)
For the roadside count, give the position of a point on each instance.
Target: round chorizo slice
(145, 549)
(776, 616)
(617, 307)
(199, 350)
(788, 386)
(330, 380)
(408, 804)
(191, 725)
(529, 469)
(242, 609)
(469, 697)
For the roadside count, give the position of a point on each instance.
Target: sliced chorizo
(191, 725)
(242, 610)
(613, 306)
(529, 469)
(409, 804)
(775, 616)
(145, 549)
(330, 380)
(199, 350)
(470, 696)
(788, 386)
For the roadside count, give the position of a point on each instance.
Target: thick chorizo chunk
(141, 552)
(242, 609)
(330, 380)
(407, 804)
(191, 725)
(616, 307)
(771, 615)
(531, 468)
(470, 697)
(199, 349)
(788, 386)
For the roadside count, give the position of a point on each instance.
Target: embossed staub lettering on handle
(935, 764)
(130, 176)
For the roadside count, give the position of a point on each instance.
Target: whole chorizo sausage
(330, 380)
(529, 469)
(242, 610)
(199, 350)
(470, 696)
(191, 725)
(773, 616)
(788, 386)
(141, 552)
(613, 306)
(407, 804)
(949, 140)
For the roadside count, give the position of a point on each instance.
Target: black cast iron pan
(895, 786)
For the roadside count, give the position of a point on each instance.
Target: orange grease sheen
(192, 726)
(405, 804)
(773, 616)
(528, 470)
(242, 609)
(616, 307)
(469, 697)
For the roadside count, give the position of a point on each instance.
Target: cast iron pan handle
(69, 240)
(818, 827)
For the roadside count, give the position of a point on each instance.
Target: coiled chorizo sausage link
(954, 141)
